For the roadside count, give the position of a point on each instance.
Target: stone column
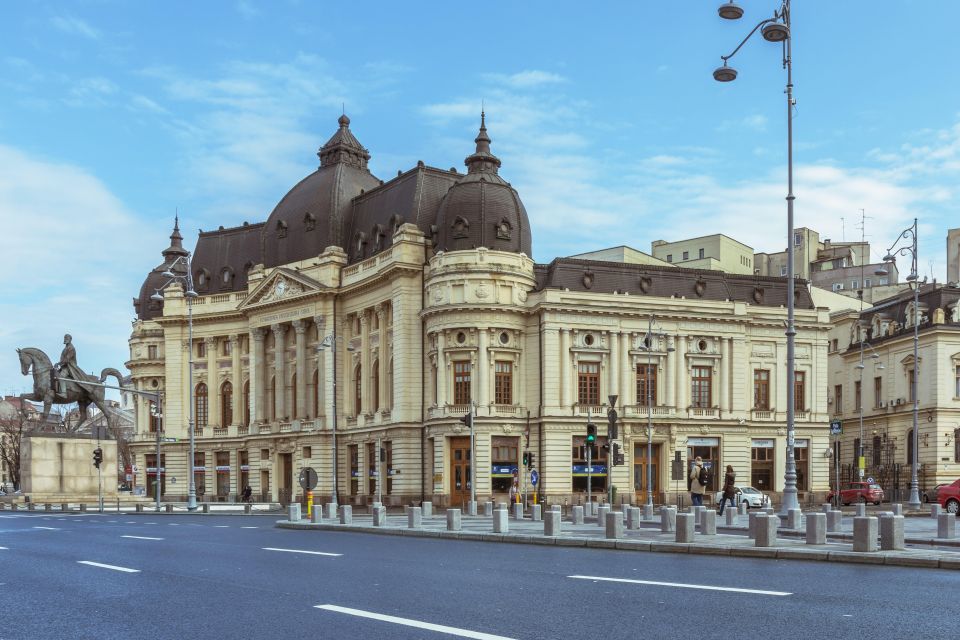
(279, 331)
(323, 376)
(258, 378)
(300, 327)
(441, 370)
(213, 384)
(724, 377)
(236, 379)
(681, 374)
(383, 399)
(627, 367)
(613, 375)
(669, 375)
(483, 370)
(365, 363)
(565, 383)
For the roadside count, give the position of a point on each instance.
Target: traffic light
(591, 433)
(618, 458)
(97, 457)
(526, 459)
(383, 454)
(467, 420)
(531, 462)
(612, 419)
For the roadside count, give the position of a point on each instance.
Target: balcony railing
(592, 409)
(801, 415)
(286, 427)
(243, 430)
(762, 415)
(508, 410)
(221, 432)
(703, 412)
(263, 429)
(641, 411)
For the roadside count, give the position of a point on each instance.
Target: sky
(117, 115)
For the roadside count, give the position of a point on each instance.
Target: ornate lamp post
(910, 235)
(777, 29)
(189, 293)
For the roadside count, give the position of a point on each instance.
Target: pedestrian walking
(697, 482)
(729, 490)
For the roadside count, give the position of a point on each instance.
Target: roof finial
(482, 159)
(176, 240)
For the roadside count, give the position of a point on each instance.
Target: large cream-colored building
(424, 291)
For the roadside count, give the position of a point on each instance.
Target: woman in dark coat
(729, 491)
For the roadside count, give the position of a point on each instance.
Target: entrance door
(640, 465)
(286, 479)
(459, 470)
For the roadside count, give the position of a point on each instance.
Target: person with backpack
(729, 489)
(698, 482)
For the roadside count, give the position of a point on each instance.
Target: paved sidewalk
(923, 548)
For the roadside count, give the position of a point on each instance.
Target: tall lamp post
(648, 347)
(777, 29)
(189, 293)
(860, 367)
(330, 342)
(910, 236)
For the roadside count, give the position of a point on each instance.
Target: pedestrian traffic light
(532, 459)
(97, 457)
(618, 458)
(467, 420)
(612, 420)
(591, 433)
(526, 459)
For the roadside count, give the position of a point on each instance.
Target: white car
(753, 497)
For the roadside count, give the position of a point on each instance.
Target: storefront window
(504, 456)
(598, 465)
(761, 464)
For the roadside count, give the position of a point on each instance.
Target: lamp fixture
(730, 11)
(775, 32)
(725, 73)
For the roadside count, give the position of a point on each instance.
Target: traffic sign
(534, 477)
(836, 427)
(308, 478)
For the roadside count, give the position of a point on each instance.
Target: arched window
(376, 386)
(226, 404)
(293, 397)
(357, 391)
(200, 406)
(246, 403)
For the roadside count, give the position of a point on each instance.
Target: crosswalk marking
(141, 538)
(312, 553)
(108, 566)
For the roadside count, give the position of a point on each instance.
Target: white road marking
(221, 526)
(248, 527)
(113, 521)
(141, 538)
(312, 553)
(685, 586)
(4, 548)
(48, 528)
(149, 523)
(108, 566)
(131, 522)
(173, 524)
(454, 631)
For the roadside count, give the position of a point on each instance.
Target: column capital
(210, 341)
(364, 317)
(258, 334)
(234, 340)
(300, 326)
(278, 329)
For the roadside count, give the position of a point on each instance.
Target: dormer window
(281, 229)
(309, 221)
(395, 222)
(504, 229)
(226, 278)
(460, 227)
(378, 235)
(358, 245)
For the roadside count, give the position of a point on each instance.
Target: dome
(311, 217)
(482, 209)
(146, 308)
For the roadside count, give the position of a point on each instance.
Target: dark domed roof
(482, 209)
(311, 216)
(146, 308)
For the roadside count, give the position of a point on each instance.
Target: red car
(859, 492)
(949, 497)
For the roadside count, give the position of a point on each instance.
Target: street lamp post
(860, 367)
(648, 347)
(910, 234)
(330, 341)
(777, 29)
(190, 293)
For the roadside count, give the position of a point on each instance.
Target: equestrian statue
(63, 383)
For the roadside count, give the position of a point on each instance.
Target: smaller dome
(146, 308)
(482, 209)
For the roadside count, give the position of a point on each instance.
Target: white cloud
(75, 26)
(526, 79)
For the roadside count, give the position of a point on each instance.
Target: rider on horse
(67, 368)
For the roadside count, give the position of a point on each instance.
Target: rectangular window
(701, 387)
(866, 283)
(911, 388)
(857, 405)
(201, 349)
(152, 352)
(956, 382)
(877, 390)
(686, 255)
(701, 253)
(387, 466)
(834, 344)
(884, 281)
(588, 383)
(227, 347)
(154, 418)
(761, 389)
(503, 383)
(783, 271)
(461, 382)
(669, 257)
(264, 454)
(797, 239)
(855, 284)
(838, 399)
(647, 385)
(307, 453)
(799, 391)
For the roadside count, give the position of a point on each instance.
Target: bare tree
(13, 429)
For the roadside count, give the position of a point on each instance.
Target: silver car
(753, 497)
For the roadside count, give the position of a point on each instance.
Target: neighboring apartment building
(424, 287)
(882, 391)
(716, 252)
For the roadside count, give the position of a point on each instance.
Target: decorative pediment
(281, 285)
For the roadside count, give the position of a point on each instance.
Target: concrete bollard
(332, 510)
(602, 512)
(453, 519)
(731, 516)
(426, 508)
(138, 508)
(766, 530)
(897, 509)
(816, 528)
(316, 515)
(293, 512)
(935, 511)
(752, 523)
(834, 521)
(206, 507)
(861, 510)
(794, 518)
(947, 525)
(65, 508)
(684, 525)
(699, 510)
(708, 523)
(535, 511)
(500, 522)
(517, 510)
(488, 509)
(668, 519)
(415, 517)
(648, 512)
(31, 506)
(169, 508)
(471, 507)
(83, 507)
(346, 514)
(891, 533)
(865, 534)
(633, 518)
(551, 523)
(614, 524)
(826, 507)
(742, 509)
(379, 514)
(577, 514)
(48, 507)
(248, 508)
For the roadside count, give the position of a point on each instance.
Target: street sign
(534, 477)
(836, 427)
(169, 439)
(308, 479)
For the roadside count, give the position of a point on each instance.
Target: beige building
(716, 252)
(881, 391)
(423, 288)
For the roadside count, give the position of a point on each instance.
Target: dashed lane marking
(108, 566)
(248, 527)
(141, 538)
(684, 586)
(47, 528)
(221, 526)
(312, 553)
(407, 622)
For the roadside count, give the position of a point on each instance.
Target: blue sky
(114, 115)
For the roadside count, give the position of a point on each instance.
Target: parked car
(752, 497)
(859, 492)
(949, 497)
(930, 495)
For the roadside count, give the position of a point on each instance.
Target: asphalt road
(158, 576)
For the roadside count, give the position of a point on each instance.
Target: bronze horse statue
(47, 390)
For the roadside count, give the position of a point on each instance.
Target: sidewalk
(923, 548)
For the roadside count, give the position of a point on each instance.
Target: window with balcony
(838, 399)
(226, 404)
(588, 383)
(799, 391)
(701, 387)
(877, 391)
(647, 385)
(200, 405)
(461, 382)
(761, 389)
(503, 383)
(857, 404)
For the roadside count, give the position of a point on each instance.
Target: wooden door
(640, 465)
(460, 470)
